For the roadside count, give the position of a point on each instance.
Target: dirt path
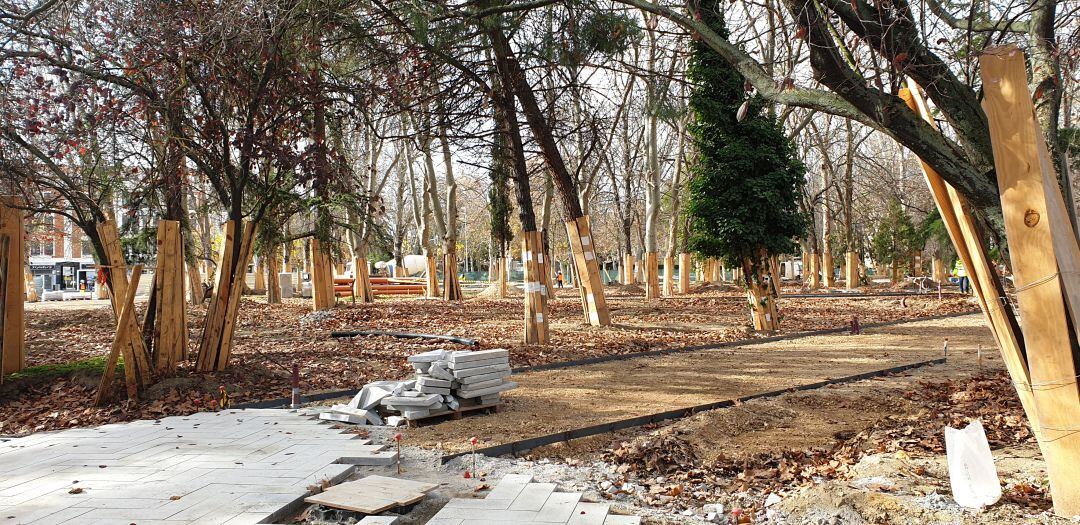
(559, 400)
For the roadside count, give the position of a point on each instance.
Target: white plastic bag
(972, 474)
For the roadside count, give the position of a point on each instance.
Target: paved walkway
(517, 500)
(234, 467)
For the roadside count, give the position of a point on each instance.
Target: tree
(746, 180)
(896, 238)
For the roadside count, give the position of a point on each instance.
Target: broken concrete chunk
(428, 381)
(421, 368)
(395, 421)
(440, 370)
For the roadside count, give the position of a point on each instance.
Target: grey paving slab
(235, 467)
(533, 496)
(559, 507)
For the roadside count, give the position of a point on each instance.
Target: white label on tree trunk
(543, 289)
(585, 240)
(588, 256)
(768, 317)
(540, 258)
(589, 298)
(539, 318)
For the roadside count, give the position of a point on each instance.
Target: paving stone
(490, 390)
(235, 466)
(378, 520)
(533, 496)
(483, 378)
(559, 507)
(480, 370)
(464, 356)
(468, 365)
(615, 519)
(589, 514)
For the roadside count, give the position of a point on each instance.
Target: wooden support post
(362, 281)
(432, 290)
(322, 278)
(774, 276)
(194, 283)
(136, 359)
(815, 270)
(827, 269)
(501, 278)
(628, 269)
(273, 279)
(170, 316)
(851, 270)
(260, 276)
(451, 282)
(652, 276)
(762, 304)
(669, 276)
(13, 341)
(591, 286)
(122, 344)
(937, 268)
(916, 269)
(215, 347)
(685, 267)
(1046, 263)
(536, 293)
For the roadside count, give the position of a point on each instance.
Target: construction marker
(397, 439)
(295, 387)
(946, 347)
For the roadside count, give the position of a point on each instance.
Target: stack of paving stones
(445, 382)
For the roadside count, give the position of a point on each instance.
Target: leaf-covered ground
(270, 339)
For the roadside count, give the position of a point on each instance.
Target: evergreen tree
(746, 180)
(896, 238)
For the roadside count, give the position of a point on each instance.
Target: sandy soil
(558, 400)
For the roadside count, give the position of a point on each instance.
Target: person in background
(962, 277)
(558, 279)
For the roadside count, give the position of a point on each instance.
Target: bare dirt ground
(271, 338)
(557, 400)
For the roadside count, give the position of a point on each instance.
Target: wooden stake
(170, 332)
(1045, 261)
(628, 269)
(432, 277)
(684, 273)
(122, 345)
(851, 273)
(13, 341)
(591, 286)
(652, 276)
(536, 292)
(451, 282)
(827, 267)
(362, 281)
(322, 277)
(669, 276)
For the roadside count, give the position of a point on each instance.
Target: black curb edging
(516, 447)
(320, 396)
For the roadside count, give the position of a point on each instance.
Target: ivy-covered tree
(746, 179)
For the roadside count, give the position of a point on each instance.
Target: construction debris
(372, 495)
(446, 382)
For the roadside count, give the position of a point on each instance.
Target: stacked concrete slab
(445, 381)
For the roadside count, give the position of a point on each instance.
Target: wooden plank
(535, 297)
(582, 245)
(1014, 135)
(851, 270)
(13, 343)
(398, 483)
(122, 345)
(210, 343)
(5, 244)
(366, 503)
(957, 218)
(684, 273)
(247, 244)
(652, 275)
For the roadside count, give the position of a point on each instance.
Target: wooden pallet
(456, 414)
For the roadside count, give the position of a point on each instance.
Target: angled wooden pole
(1045, 262)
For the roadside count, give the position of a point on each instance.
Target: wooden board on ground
(372, 494)
(455, 414)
